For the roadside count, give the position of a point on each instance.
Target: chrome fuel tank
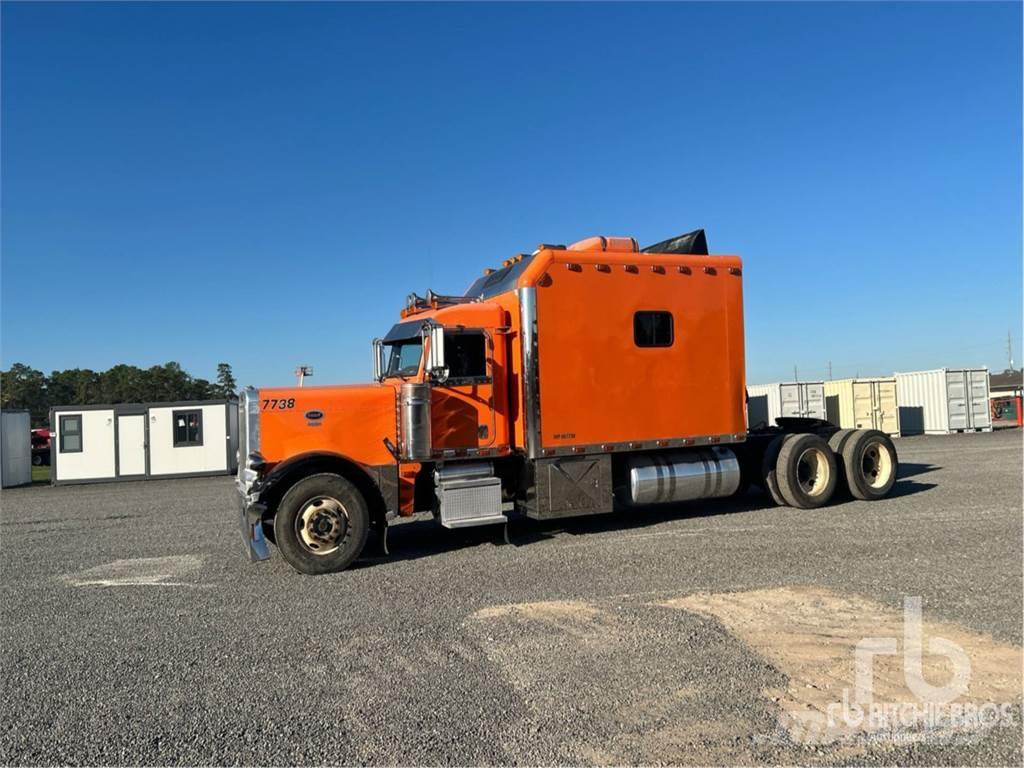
(701, 473)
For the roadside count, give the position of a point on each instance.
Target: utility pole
(302, 372)
(830, 370)
(795, 376)
(1009, 348)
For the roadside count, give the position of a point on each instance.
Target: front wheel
(321, 524)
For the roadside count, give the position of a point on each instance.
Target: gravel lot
(133, 631)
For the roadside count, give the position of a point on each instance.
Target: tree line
(25, 387)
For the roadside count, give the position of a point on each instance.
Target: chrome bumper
(250, 514)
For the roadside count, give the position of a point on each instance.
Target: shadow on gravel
(911, 470)
(909, 488)
(424, 538)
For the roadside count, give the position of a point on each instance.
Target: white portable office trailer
(136, 441)
(15, 448)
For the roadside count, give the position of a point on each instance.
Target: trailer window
(466, 356)
(188, 428)
(653, 329)
(71, 434)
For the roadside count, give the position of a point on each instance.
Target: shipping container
(863, 404)
(15, 448)
(136, 441)
(767, 402)
(943, 400)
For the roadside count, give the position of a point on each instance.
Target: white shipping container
(767, 402)
(944, 400)
(15, 448)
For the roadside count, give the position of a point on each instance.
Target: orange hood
(352, 420)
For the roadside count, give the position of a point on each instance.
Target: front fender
(378, 483)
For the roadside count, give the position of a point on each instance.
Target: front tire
(321, 524)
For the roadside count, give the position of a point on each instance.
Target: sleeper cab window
(466, 356)
(71, 434)
(188, 428)
(653, 329)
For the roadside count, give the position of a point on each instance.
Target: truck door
(463, 414)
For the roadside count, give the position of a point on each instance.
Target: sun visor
(692, 243)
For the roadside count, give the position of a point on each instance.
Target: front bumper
(250, 520)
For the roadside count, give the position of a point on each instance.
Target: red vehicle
(40, 447)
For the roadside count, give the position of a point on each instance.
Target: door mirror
(435, 353)
(378, 360)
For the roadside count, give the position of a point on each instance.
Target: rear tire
(870, 464)
(807, 471)
(837, 442)
(769, 480)
(321, 524)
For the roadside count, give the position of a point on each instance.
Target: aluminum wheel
(813, 471)
(877, 464)
(322, 525)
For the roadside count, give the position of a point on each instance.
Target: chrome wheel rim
(813, 471)
(876, 464)
(322, 525)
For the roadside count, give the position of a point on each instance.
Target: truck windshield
(404, 357)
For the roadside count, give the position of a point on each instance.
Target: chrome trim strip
(531, 373)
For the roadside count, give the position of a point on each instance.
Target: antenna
(830, 370)
(302, 372)
(795, 376)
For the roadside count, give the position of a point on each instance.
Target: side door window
(466, 356)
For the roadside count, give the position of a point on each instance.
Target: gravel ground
(133, 632)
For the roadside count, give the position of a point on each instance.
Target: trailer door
(888, 413)
(792, 400)
(131, 445)
(813, 401)
(981, 416)
(956, 400)
(863, 405)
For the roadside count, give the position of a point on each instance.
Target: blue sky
(264, 184)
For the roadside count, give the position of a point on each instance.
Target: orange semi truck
(574, 380)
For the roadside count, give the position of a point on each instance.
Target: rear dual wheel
(869, 463)
(806, 471)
